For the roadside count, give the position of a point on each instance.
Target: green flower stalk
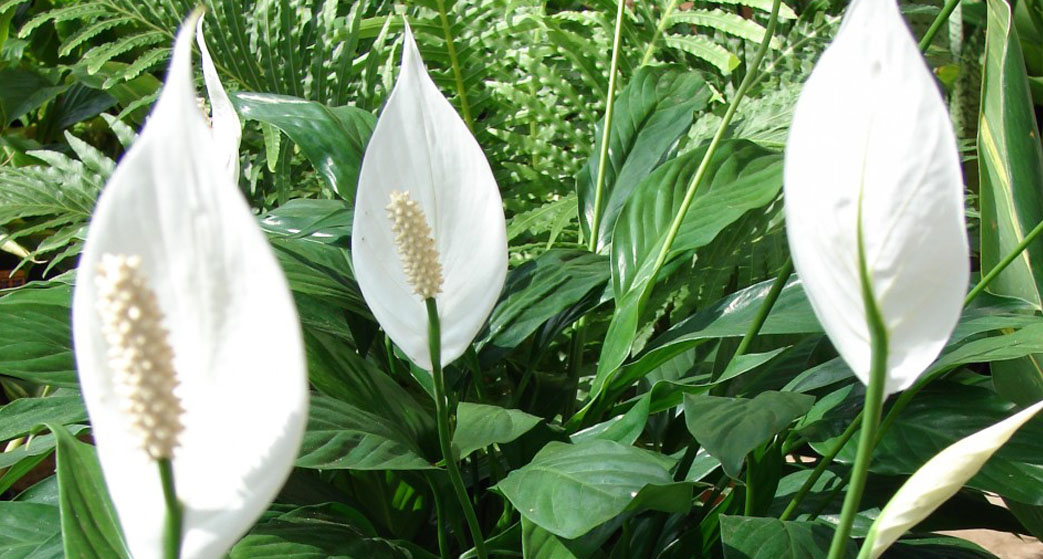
(874, 213)
(426, 194)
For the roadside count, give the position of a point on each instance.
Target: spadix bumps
(139, 353)
(175, 267)
(415, 245)
(424, 165)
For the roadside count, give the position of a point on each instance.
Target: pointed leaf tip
(939, 479)
(871, 136)
(224, 121)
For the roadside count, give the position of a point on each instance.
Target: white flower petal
(224, 121)
(870, 121)
(940, 478)
(421, 145)
(232, 324)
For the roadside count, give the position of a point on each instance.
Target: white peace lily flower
(422, 153)
(224, 121)
(938, 480)
(871, 142)
(187, 339)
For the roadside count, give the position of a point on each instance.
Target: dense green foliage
(604, 411)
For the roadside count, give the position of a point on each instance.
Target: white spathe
(871, 129)
(939, 479)
(421, 146)
(232, 325)
(224, 121)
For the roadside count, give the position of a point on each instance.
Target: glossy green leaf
(23, 91)
(625, 428)
(480, 425)
(332, 138)
(338, 371)
(1011, 162)
(23, 415)
(537, 291)
(29, 531)
(303, 538)
(741, 176)
(90, 528)
(937, 547)
(39, 445)
(651, 113)
(343, 437)
(729, 428)
(35, 336)
(538, 543)
(571, 489)
(944, 413)
(321, 221)
(1011, 172)
(747, 537)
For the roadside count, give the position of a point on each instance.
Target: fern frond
(705, 49)
(729, 23)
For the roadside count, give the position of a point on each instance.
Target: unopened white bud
(415, 245)
(139, 353)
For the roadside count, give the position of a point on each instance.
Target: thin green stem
(606, 131)
(579, 339)
(434, 336)
(443, 541)
(748, 507)
(820, 469)
(874, 402)
(675, 226)
(866, 443)
(172, 525)
(765, 308)
(937, 24)
(1002, 265)
(906, 396)
(461, 91)
(650, 49)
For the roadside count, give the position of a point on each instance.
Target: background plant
(724, 444)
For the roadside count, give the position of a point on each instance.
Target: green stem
(936, 25)
(866, 443)
(461, 91)
(650, 49)
(874, 401)
(686, 462)
(675, 226)
(750, 477)
(906, 396)
(765, 308)
(443, 542)
(820, 469)
(1002, 265)
(606, 131)
(434, 336)
(172, 526)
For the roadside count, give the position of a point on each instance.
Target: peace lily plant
(874, 212)
(187, 339)
(426, 194)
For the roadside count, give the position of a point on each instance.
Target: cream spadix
(872, 176)
(171, 227)
(938, 480)
(422, 150)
